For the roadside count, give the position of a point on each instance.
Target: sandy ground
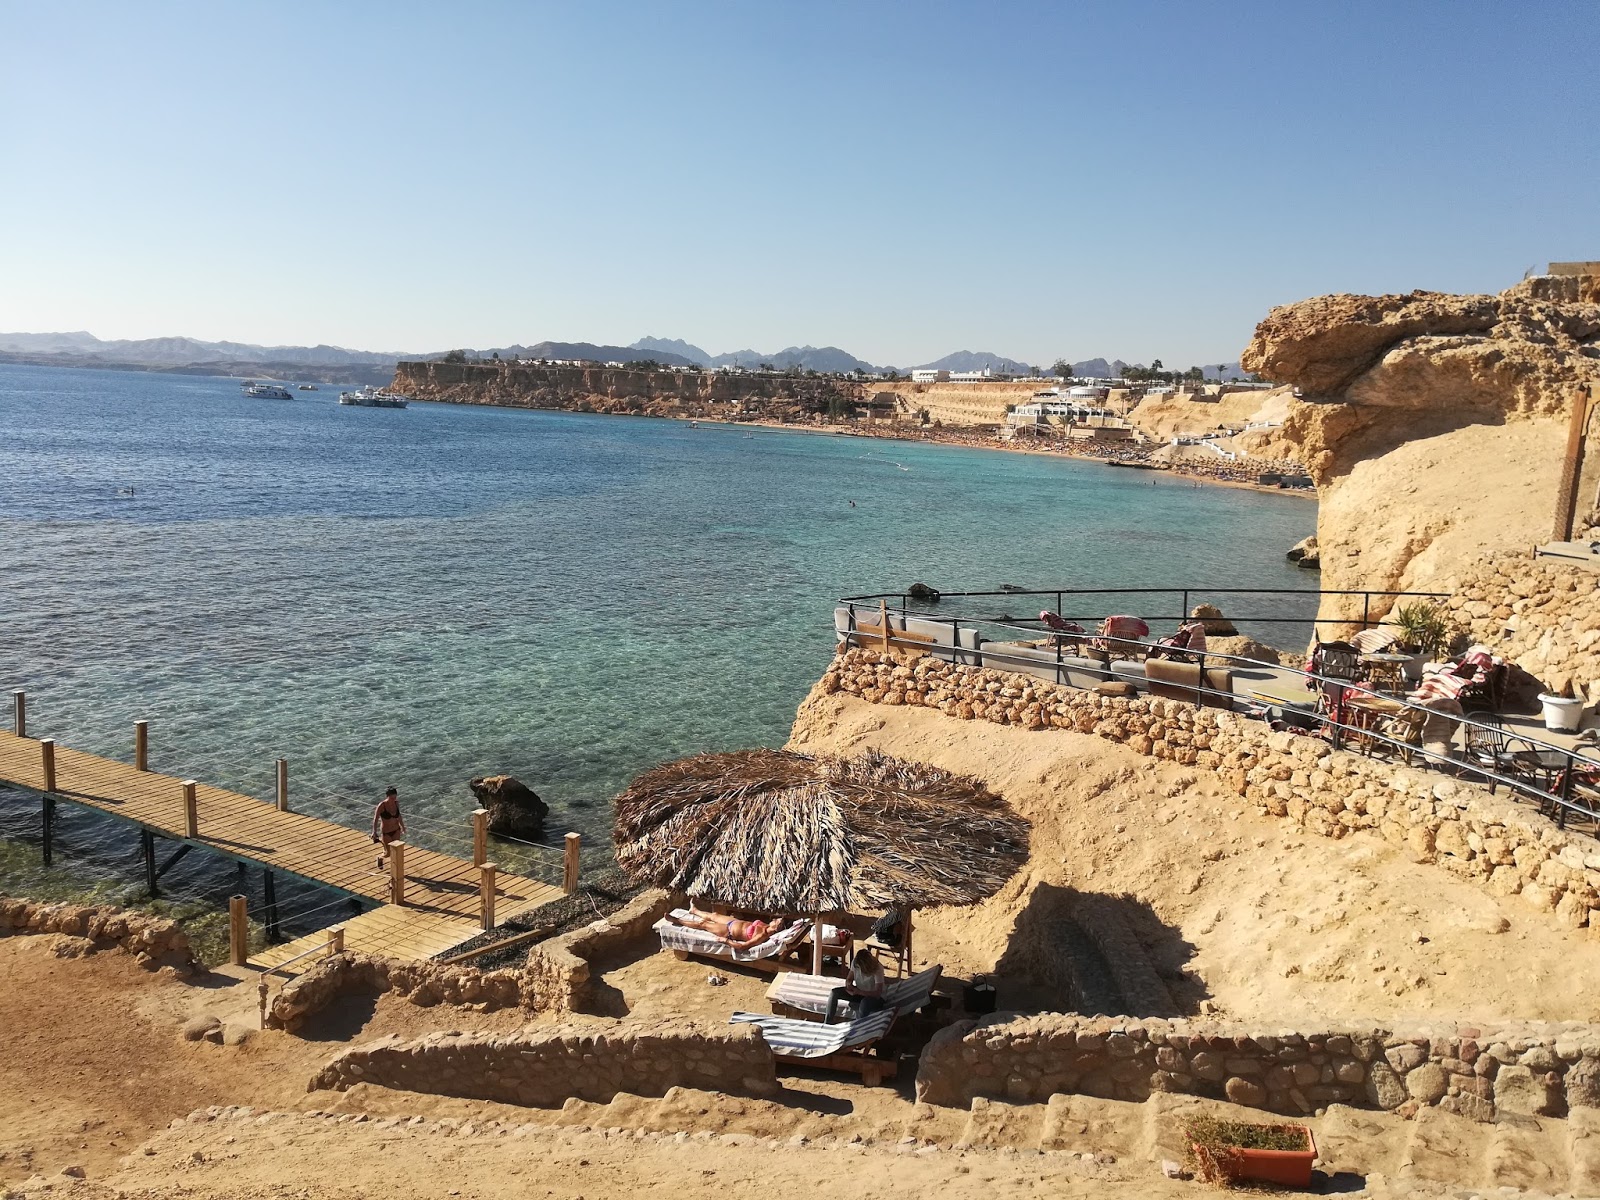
(1274, 924)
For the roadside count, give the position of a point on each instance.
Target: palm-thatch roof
(780, 832)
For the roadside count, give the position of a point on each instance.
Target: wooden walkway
(442, 907)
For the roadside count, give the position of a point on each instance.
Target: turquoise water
(417, 597)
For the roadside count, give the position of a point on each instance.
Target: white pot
(1562, 714)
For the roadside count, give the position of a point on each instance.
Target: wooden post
(1572, 465)
(336, 940)
(480, 836)
(147, 846)
(47, 756)
(191, 810)
(261, 999)
(397, 872)
(141, 745)
(569, 872)
(486, 892)
(238, 931)
(883, 623)
(816, 944)
(269, 892)
(283, 785)
(19, 712)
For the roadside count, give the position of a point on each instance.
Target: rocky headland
(1434, 426)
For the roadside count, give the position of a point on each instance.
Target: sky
(1118, 179)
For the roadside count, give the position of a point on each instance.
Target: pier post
(569, 865)
(486, 892)
(397, 873)
(49, 823)
(269, 893)
(238, 931)
(336, 940)
(480, 836)
(19, 712)
(283, 785)
(191, 810)
(147, 844)
(47, 759)
(141, 745)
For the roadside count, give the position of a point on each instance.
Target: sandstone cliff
(619, 390)
(1434, 425)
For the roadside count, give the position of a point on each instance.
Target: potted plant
(1563, 710)
(1227, 1151)
(1425, 631)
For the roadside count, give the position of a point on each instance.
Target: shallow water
(417, 597)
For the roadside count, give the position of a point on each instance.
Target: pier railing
(1562, 781)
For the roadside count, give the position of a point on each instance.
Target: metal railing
(1336, 708)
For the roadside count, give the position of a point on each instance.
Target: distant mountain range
(338, 364)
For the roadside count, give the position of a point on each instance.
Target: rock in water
(1211, 617)
(1305, 553)
(921, 591)
(514, 808)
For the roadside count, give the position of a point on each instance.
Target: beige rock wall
(1506, 847)
(1535, 1069)
(556, 977)
(1539, 613)
(550, 1066)
(155, 942)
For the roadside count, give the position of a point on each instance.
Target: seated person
(737, 932)
(1183, 645)
(863, 987)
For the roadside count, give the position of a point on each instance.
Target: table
(1387, 670)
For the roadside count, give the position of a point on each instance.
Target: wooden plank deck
(442, 904)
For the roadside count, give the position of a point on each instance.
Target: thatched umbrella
(780, 832)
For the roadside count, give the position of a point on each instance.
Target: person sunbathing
(735, 931)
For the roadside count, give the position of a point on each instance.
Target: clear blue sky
(1121, 179)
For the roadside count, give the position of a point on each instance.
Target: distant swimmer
(128, 491)
(852, 504)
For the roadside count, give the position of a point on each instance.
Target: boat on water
(307, 387)
(374, 398)
(266, 391)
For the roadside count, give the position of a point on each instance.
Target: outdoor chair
(808, 994)
(764, 956)
(1404, 731)
(842, 1047)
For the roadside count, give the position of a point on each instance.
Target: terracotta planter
(1288, 1168)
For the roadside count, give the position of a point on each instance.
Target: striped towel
(1375, 641)
(810, 993)
(808, 1039)
(698, 941)
(1439, 685)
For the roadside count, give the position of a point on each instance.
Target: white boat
(267, 391)
(374, 398)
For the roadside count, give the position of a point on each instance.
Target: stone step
(1532, 1155)
(1445, 1148)
(997, 1125)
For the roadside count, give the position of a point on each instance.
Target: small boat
(374, 398)
(267, 391)
(307, 387)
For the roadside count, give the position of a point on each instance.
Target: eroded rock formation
(1434, 425)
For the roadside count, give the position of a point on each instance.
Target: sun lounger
(809, 993)
(684, 941)
(841, 1047)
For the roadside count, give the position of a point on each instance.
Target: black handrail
(1558, 803)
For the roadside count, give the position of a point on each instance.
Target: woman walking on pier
(387, 824)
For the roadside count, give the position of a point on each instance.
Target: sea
(417, 597)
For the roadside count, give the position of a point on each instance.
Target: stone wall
(1540, 613)
(1538, 1069)
(155, 942)
(558, 975)
(555, 979)
(550, 1066)
(1507, 847)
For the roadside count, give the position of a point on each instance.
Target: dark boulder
(514, 808)
(921, 591)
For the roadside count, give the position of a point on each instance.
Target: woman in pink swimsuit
(738, 933)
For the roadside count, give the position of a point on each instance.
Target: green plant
(1425, 627)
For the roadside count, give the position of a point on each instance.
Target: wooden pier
(429, 904)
